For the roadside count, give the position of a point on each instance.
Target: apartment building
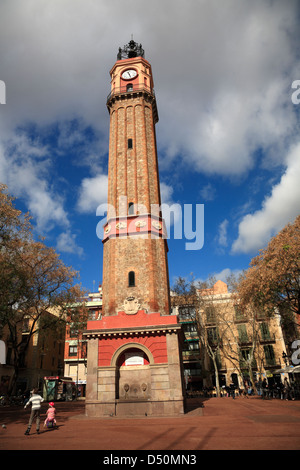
(75, 351)
(42, 356)
(223, 342)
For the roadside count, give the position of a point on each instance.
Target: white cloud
(222, 233)
(226, 273)
(66, 242)
(172, 212)
(222, 275)
(234, 97)
(23, 168)
(231, 90)
(208, 192)
(166, 193)
(92, 193)
(223, 88)
(278, 209)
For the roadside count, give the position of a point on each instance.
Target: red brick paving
(223, 424)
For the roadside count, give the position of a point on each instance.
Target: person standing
(264, 386)
(232, 390)
(259, 387)
(35, 401)
(287, 390)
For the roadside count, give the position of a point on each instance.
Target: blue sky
(228, 131)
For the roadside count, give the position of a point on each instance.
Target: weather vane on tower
(130, 50)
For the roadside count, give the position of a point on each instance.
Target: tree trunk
(216, 376)
(13, 382)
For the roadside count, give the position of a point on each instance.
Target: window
(129, 87)
(242, 331)
(194, 369)
(269, 355)
(72, 350)
(245, 358)
(239, 314)
(194, 346)
(25, 326)
(186, 313)
(130, 143)
(92, 315)
(131, 279)
(212, 335)
(73, 331)
(190, 328)
(265, 332)
(131, 208)
(210, 314)
(191, 346)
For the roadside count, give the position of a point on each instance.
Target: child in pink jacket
(51, 412)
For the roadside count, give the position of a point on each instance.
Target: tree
(272, 282)
(224, 330)
(209, 326)
(242, 340)
(15, 230)
(35, 285)
(199, 299)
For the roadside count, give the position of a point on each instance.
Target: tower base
(134, 370)
(134, 408)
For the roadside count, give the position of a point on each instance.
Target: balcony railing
(130, 89)
(272, 362)
(268, 338)
(191, 354)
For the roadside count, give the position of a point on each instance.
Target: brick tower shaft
(135, 247)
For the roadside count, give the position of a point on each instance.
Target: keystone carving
(156, 224)
(131, 306)
(121, 225)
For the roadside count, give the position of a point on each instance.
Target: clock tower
(134, 360)
(135, 246)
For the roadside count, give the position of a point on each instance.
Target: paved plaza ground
(222, 423)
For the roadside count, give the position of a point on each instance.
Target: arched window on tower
(131, 208)
(129, 87)
(131, 279)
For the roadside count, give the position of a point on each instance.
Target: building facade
(41, 354)
(245, 347)
(75, 351)
(134, 359)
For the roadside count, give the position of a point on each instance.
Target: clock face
(129, 74)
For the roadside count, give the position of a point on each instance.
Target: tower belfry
(134, 364)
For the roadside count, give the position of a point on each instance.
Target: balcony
(129, 90)
(244, 364)
(191, 355)
(133, 91)
(272, 362)
(267, 338)
(183, 318)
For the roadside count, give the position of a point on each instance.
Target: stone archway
(132, 363)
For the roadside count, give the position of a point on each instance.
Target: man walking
(35, 401)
